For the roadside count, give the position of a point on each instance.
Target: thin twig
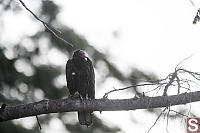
(40, 127)
(178, 113)
(157, 119)
(192, 3)
(159, 86)
(177, 66)
(106, 94)
(173, 79)
(45, 24)
(168, 119)
(178, 82)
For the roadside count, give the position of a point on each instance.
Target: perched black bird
(81, 78)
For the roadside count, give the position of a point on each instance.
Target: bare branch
(171, 80)
(159, 86)
(178, 82)
(177, 66)
(168, 116)
(38, 121)
(45, 24)
(178, 113)
(192, 3)
(70, 105)
(157, 119)
(168, 119)
(125, 88)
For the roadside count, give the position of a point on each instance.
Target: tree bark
(70, 105)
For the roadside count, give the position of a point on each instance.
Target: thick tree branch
(69, 105)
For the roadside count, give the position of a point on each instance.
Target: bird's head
(79, 54)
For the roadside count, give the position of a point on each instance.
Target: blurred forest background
(27, 74)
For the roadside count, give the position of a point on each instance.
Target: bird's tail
(85, 117)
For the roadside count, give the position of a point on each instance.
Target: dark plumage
(80, 78)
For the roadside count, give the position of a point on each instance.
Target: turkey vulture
(80, 78)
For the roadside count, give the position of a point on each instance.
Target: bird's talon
(105, 97)
(75, 96)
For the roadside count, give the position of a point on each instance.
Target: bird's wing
(69, 76)
(91, 84)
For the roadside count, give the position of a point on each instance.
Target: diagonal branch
(45, 24)
(70, 105)
(132, 86)
(157, 119)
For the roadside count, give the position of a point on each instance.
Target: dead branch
(125, 88)
(46, 25)
(172, 80)
(70, 105)
(178, 113)
(40, 127)
(168, 113)
(161, 113)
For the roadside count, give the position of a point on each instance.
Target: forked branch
(172, 80)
